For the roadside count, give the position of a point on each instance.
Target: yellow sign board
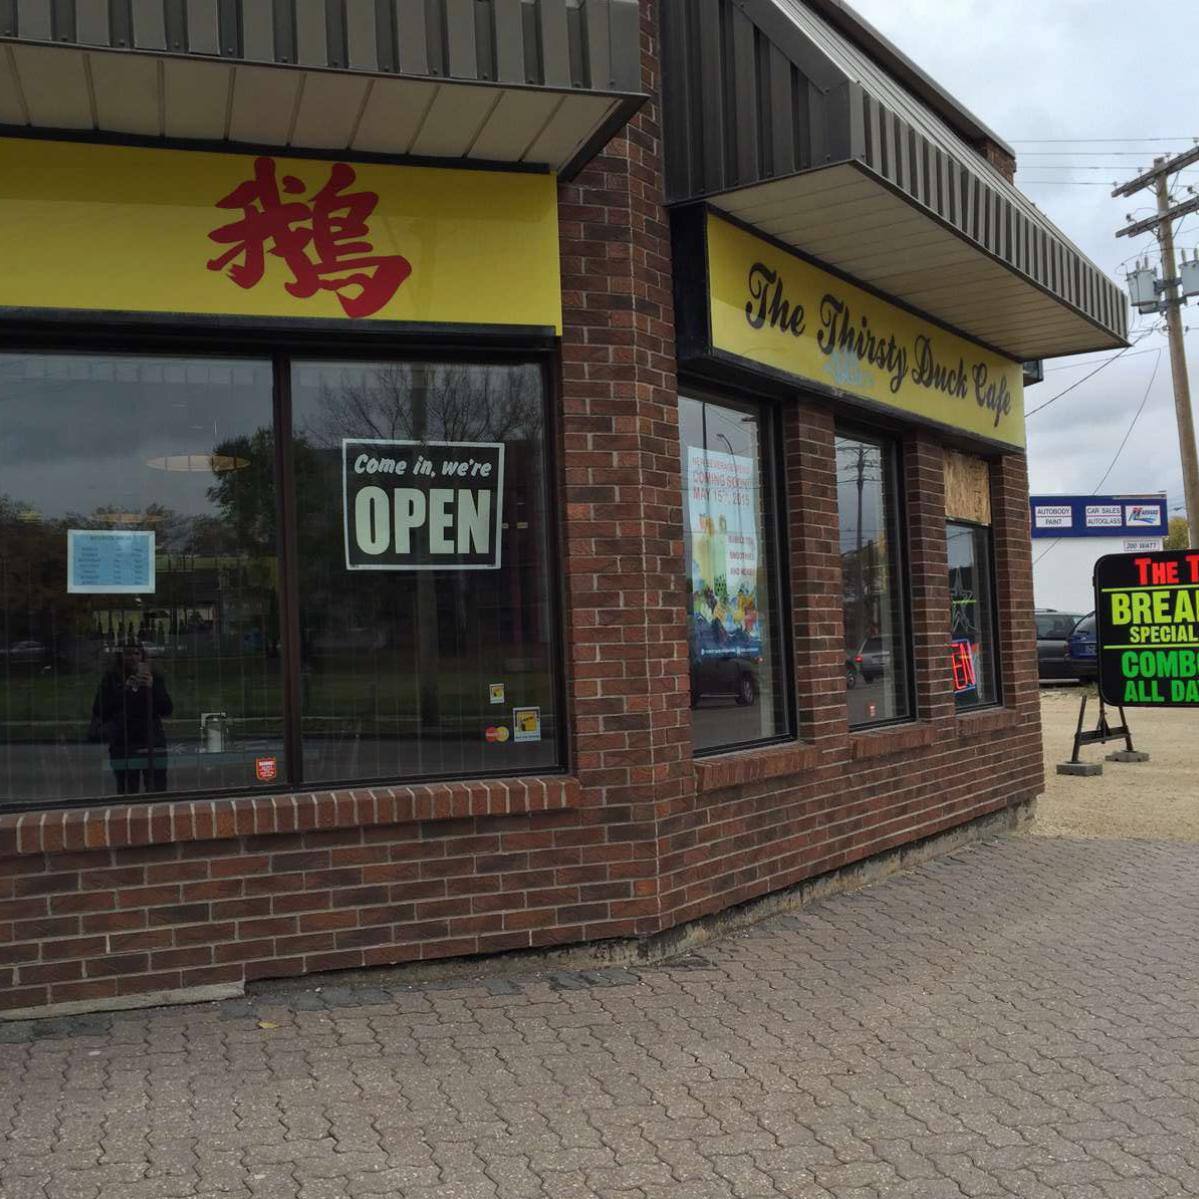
(130, 229)
(774, 309)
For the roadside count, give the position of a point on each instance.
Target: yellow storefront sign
(772, 308)
(129, 229)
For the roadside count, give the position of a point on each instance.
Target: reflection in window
(140, 644)
(876, 649)
(972, 616)
(737, 689)
(438, 670)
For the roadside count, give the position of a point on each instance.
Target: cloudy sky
(1074, 70)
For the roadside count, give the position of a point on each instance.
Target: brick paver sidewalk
(1018, 1019)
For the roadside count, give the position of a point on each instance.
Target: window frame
(774, 475)
(997, 654)
(281, 344)
(892, 445)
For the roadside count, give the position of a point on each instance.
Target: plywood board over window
(967, 488)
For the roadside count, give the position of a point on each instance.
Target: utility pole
(1178, 361)
(1145, 290)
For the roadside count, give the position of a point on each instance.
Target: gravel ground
(1157, 800)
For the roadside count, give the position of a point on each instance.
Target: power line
(1136, 417)
(1078, 141)
(1073, 366)
(1079, 382)
(1085, 154)
(1087, 166)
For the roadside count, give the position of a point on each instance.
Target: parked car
(26, 651)
(724, 665)
(1083, 652)
(1053, 639)
(872, 659)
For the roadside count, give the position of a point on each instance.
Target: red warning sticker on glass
(266, 769)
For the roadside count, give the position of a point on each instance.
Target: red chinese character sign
(324, 241)
(271, 238)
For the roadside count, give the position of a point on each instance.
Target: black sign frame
(1147, 628)
(477, 466)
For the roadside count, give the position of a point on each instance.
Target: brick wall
(761, 820)
(639, 837)
(1000, 159)
(627, 636)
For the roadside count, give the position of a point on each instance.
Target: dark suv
(1083, 652)
(1053, 636)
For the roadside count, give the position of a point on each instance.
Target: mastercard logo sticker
(499, 732)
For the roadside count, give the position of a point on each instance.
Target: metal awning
(539, 83)
(776, 115)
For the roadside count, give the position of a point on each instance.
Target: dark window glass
(877, 668)
(443, 670)
(140, 646)
(972, 616)
(1056, 626)
(735, 611)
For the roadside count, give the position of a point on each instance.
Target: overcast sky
(1075, 69)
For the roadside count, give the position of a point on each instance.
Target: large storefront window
(877, 668)
(144, 642)
(972, 616)
(738, 693)
(138, 576)
(405, 671)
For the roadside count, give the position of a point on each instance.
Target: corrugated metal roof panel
(584, 54)
(762, 90)
(592, 45)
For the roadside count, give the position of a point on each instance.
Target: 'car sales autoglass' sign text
(422, 505)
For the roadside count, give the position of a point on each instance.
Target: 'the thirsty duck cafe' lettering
(1147, 611)
(771, 307)
(421, 505)
(840, 332)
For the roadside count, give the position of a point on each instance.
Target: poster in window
(726, 616)
(103, 562)
(422, 505)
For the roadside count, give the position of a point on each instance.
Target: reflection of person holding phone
(127, 712)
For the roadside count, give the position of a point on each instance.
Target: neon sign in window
(965, 677)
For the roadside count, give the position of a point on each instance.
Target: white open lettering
(440, 520)
(474, 522)
(410, 514)
(371, 524)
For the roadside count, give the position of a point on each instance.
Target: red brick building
(536, 477)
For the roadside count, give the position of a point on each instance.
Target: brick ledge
(894, 739)
(991, 720)
(117, 826)
(754, 765)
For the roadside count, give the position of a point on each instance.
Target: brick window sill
(118, 826)
(992, 720)
(723, 771)
(896, 739)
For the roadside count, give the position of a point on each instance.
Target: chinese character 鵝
(324, 240)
